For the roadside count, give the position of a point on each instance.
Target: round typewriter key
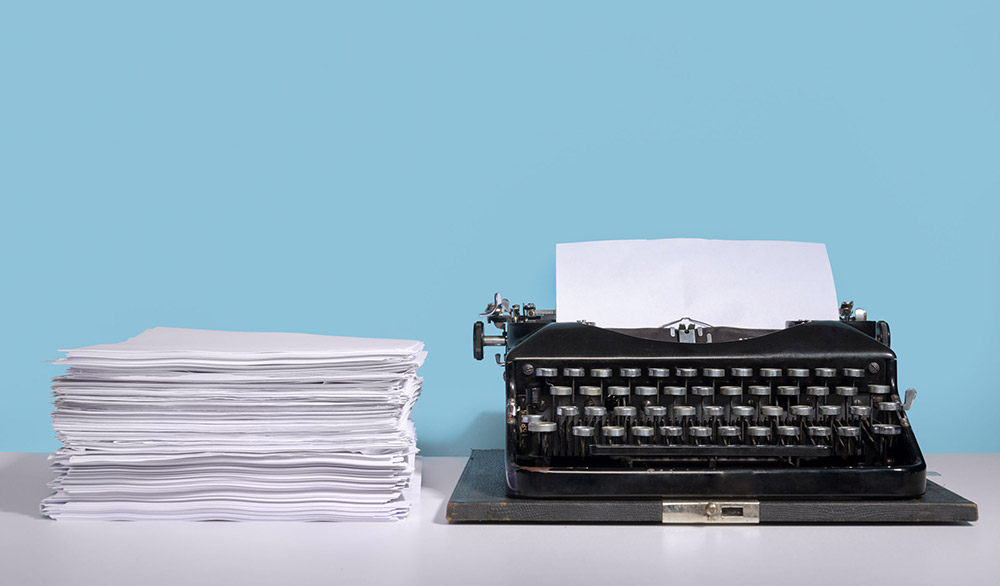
(831, 410)
(826, 372)
(741, 372)
(771, 411)
(788, 431)
(702, 391)
(801, 410)
(618, 391)
(541, 427)
(630, 372)
(713, 372)
(699, 431)
(818, 391)
(573, 372)
(853, 372)
(728, 431)
(888, 406)
(583, 431)
(684, 411)
(642, 431)
(613, 431)
(675, 391)
(594, 411)
(645, 391)
(886, 429)
(819, 431)
(860, 410)
(758, 431)
(742, 410)
(731, 391)
(848, 431)
(656, 411)
(847, 391)
(659, 372)
(558, 391)
(686, 372)
(713, 410)
(546, 372)
(788, 391)
(567, 411)
(770, 372)
(625, 411)
(590, 391)
(798, 372)
(532, 418)
(759, 390)
(671, 430)
(878, 389)
(600, 372)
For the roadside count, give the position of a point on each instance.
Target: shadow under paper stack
(206, 425)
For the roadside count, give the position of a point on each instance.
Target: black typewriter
(687, 409)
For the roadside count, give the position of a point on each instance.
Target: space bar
(707, 451)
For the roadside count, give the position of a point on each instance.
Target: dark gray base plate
(481, 497)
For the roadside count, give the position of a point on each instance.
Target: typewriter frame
(533, 340)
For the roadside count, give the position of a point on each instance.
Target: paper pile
(202, 425)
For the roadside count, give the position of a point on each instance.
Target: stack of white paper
(202, 425)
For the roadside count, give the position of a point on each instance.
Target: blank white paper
(649, 283)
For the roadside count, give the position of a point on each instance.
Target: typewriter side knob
(479, 340)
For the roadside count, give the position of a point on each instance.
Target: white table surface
(425, 549)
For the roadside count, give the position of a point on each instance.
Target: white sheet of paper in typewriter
(648, 283)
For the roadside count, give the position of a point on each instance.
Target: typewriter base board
(481, 497)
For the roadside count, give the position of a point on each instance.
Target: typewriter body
(685, 410)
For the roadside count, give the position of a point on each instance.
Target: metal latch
(711, 511)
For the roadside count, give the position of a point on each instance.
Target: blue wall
(381, 170)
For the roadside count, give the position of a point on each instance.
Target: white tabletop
(425, 549)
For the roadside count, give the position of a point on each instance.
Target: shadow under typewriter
(705, 424)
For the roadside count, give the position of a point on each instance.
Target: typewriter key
(594, 411)
(671, 430)
(699, 431)
(686, 372)
(625, 411)
(849, 431)
(878, 389)
(888, 406)
(631, 372)
(684, 411)
(618, 391)
(786, 391)
(645, 391)
(770, 372)
(853, 372)
(831, 410)
(674, 391)
(713, 372)
(558, 391)
(819, 431)
(798, 372)
(728, 431)
(613, 431)
(847, 391)
(730, 391)
(583, 431)
(588, 391)
(573, 372)
(532, 418)
(642, 431)
(656, 411)
(826, 372)
(788, 431)
(702, 391)
(713, 410)
(546, 371)
(742, 411)
(886, 429)
(659, 372)
(759, 390)
(600, 372)
(801, 410)
(541, 426)
(758, 431)
(743, 372)
(567, 411)
(771, 411)
(818, 391)
(860, 410)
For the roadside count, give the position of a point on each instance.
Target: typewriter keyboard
(790, 414)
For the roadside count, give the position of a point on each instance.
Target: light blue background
(381, 170)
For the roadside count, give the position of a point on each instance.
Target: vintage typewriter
(811, 410)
